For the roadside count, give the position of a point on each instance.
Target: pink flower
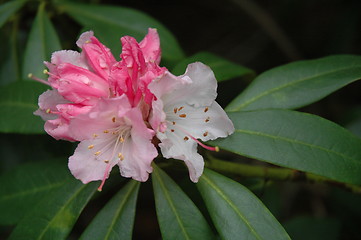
(112, 133)
(115, 108)
(186, 110)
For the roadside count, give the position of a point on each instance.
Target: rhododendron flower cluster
(120, 110)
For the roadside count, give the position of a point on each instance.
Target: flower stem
(274, 173)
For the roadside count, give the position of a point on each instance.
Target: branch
(273, 173)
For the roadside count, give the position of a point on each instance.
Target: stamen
(121, 139)
(172, 130)
(48, 110)
(120, 156)
(206, 109)
(216, 149)
(180, 108)
(113, 119)
(175, 110)
(186, 138)
(95, 135)
(30, 75)
(105, 131)
(106, 161)
(183, 115)
(173, 123)
(207, 119)
(90, 146)
(97, 153)
(205, 134)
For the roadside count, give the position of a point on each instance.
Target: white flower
(184, 111)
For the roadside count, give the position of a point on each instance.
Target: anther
(121, 139)
(175, 110)
(120, 156)
(105, 131)
(95, 135)
(186, 138)
(207, 119)
(113, 119)
(48, 110)
(106, 161)
(206, 109)
(183, 115)
(97, 153)
(173, 123)
(172, 130)
(45, 71)
(180, 108)
(90, 146)
(87, 41)
(205, 134)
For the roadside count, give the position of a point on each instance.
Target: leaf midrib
(120, 208)
(171, 204)
(293, 141)
(61, 210)
(272, 90)
(231, 204)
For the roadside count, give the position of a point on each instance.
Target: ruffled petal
(48, 102)
(150, 46)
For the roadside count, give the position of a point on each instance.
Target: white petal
(69, 56)
(174, 145)
(84, 37)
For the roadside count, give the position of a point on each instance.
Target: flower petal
(150, 46)
(138, 150)
(47, 104)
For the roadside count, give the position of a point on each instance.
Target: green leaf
(222, 68)
(235, 211)
(178, 217)
(110, 23)
(296, 140)
(115, 220)
(9, 60)
(55, 215)
(18, 101)
(297, 84)
(23, 187)
(42, 42)
(7, 9)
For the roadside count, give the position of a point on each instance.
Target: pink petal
(150, 46)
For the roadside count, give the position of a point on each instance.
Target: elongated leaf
(178, 217)
(42, 42)
(110, 23)
(9, 60)
(26, 185)
(7, 9)
(235, 211)
(296, 140)
(55, 215)
(18, 101)
(222, 68)
(297, 84)
(115, 220)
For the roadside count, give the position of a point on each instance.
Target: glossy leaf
(18, 101)
(55, 215)
(296, 140)
(222, 68)
(178, 217)
(8, 9)
(23, 187)
(235, 211)
(42, 42)
(110, 23)
(297, 84)
(115, 220)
